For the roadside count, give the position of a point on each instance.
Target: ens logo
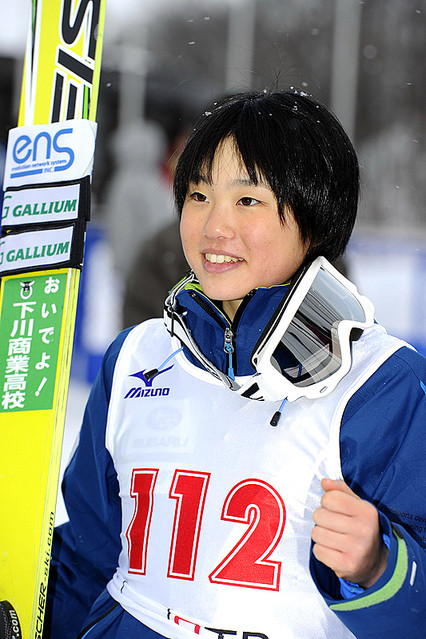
(147, 390)
(46, 147)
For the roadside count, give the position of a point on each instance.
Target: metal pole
(240, 48)
(345, 62)
(133, 65)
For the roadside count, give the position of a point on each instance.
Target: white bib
(217, 504)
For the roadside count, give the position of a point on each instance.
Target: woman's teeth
(220, 259)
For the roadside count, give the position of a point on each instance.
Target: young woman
(253, 465)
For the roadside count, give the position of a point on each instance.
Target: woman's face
(232, 235)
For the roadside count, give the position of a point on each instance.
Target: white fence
(391, 271)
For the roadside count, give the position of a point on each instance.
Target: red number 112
(252, 502)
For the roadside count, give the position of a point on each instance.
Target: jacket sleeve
(85, 548)
(383, 451)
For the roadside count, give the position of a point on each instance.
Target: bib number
(251, 502)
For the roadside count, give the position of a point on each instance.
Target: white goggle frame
(321, 350)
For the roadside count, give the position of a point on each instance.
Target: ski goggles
(305, 348)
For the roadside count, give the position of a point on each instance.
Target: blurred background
(164, 62)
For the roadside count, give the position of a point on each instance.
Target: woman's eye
(198, 197)
(248, 201)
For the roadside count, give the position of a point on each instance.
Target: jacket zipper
(229, 327)
(228, 347)
(201, 301)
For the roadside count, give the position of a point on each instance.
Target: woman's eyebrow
(200, 179)
(240, 181)
(247, 181)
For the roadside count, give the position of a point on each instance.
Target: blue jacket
(383, 454)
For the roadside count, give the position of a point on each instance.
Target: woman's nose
(219, 223)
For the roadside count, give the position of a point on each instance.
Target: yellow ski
(46, 207)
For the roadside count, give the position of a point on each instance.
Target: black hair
(294, 143)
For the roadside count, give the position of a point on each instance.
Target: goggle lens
(309, 351)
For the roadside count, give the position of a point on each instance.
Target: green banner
(30, 326)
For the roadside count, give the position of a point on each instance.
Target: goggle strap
(250, 391)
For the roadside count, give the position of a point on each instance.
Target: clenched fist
(347, 535)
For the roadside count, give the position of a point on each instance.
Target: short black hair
(298, 146)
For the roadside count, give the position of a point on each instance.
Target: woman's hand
(347, 535)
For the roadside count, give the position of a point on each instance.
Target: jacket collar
(208, 323)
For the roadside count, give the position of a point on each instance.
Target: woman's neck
(230, 307)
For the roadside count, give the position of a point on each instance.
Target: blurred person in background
(159, 264)
(139, 200)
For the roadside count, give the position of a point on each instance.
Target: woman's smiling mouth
(214, 258)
